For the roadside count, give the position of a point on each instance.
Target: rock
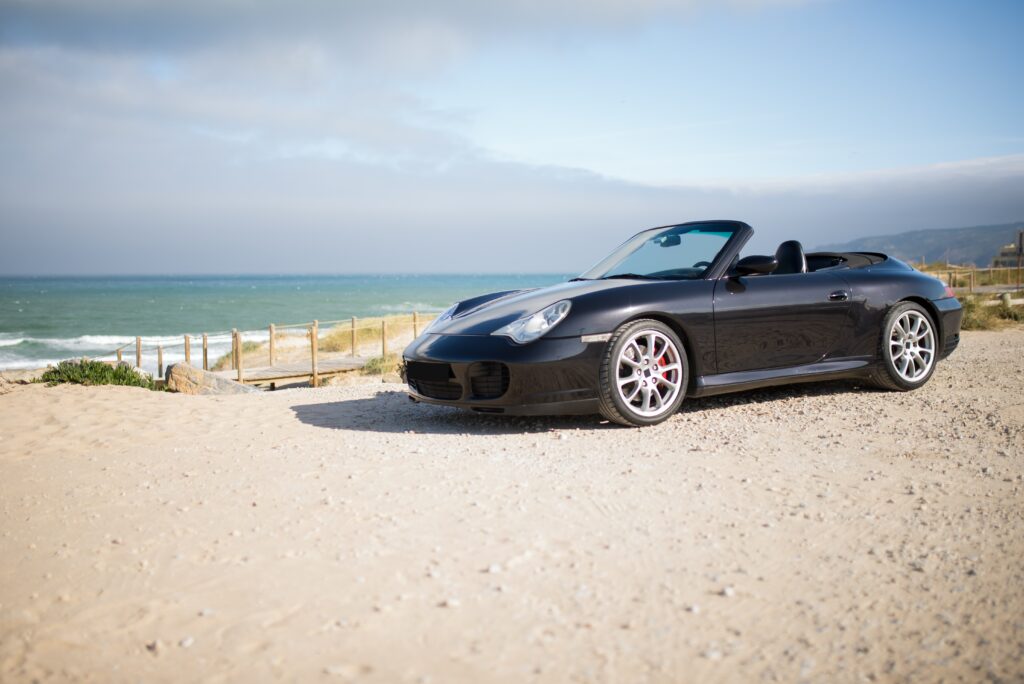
(187, 379)
(728, 592)
(22, 377)
(186, 642)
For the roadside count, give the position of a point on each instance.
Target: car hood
(485, 314)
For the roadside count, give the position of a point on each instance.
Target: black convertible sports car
(675, 312)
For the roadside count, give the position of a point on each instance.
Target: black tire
(886, 375)
(613, 406)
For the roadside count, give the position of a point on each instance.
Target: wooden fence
(970, 279)
(386, 330)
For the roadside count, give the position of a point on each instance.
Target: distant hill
(974, 245)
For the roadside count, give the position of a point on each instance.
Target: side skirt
(708, 385)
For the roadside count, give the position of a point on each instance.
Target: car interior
(791, 259)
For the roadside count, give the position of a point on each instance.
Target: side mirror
(756, 264)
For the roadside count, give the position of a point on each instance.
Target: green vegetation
(339, 338)
(979, 316)
(86, 372)
(382, 365)
(224, 362)
(1010, 313)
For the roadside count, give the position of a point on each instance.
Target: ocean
(46, 319)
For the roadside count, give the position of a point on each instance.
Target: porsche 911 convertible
(674, 312)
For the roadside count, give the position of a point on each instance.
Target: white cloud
(181, 130)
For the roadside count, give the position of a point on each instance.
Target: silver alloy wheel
(649, 373)
(912, 346)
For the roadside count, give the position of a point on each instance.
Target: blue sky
(781, 92)
(262, 136)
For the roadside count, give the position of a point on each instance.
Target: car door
(777, 321)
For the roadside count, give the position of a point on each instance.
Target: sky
(257, 136)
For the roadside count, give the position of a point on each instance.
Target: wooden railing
(970, 279)
(351, 331)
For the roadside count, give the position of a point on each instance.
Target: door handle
(839, 296)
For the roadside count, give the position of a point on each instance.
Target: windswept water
(46, 319)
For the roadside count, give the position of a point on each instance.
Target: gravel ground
(814, 533)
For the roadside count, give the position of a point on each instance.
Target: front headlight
(535, 325)
(445, 315)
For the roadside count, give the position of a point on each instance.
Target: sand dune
(816, 533)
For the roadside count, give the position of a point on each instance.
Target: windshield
(675, 253)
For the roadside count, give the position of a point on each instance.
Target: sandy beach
(820, 533)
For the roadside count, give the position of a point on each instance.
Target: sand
(815, 533)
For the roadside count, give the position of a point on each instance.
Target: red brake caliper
(661, 362)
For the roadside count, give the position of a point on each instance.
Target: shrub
(977, 316)
(86, 372)
(381, 365)
(1009, 313)
(248, 346)
(339, 338)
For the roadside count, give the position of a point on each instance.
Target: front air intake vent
(488, 380)
(434, 380)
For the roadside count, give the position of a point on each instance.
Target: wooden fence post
(273, 351)
(383, 337)
(313, 334)
(188, 350)
(160, 360)
(415, 325)
(241, 362)
(971, 284)
(138, 352)
(353, 336)
(206, 353)
(234, 348)
(119, 359)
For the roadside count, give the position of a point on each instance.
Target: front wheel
(644, 374)
(908, 349)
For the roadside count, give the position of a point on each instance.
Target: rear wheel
(908, 348)
(644, 374)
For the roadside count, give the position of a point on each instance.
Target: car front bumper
(492, 374)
